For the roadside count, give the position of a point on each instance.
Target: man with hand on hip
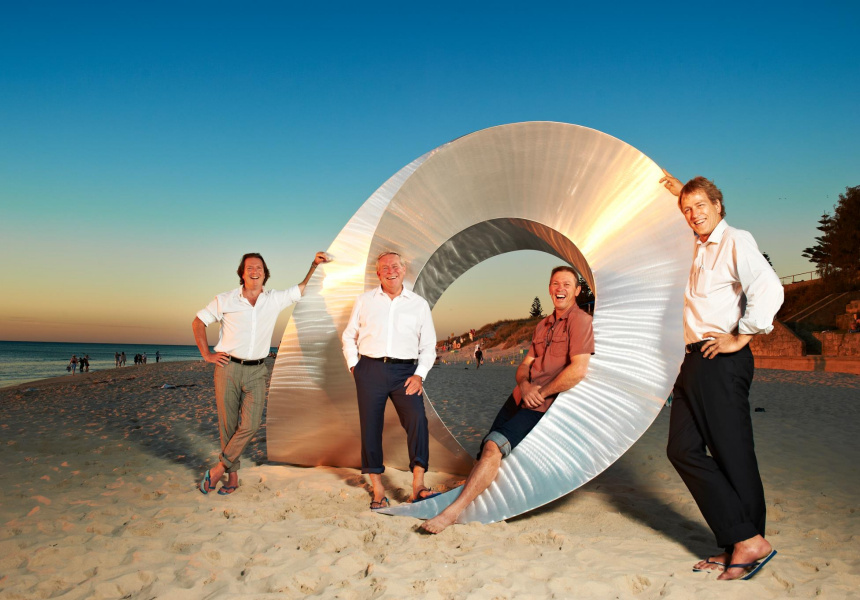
(247, 316)
(732, 294)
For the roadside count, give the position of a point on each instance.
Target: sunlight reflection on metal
(574, 192)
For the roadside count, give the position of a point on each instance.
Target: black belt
(393, 361)
(242, 361)
(695, 347)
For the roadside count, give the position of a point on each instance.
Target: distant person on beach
(85, 363)
(732, 294)
(116, 358)
(157, 356)
(390, 346)
(143, 358)
(557, 360)
(122, 359)
(479, 357)
(247, 316)
(73, 364)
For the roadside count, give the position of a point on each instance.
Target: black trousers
(375, 383)
(711, 444)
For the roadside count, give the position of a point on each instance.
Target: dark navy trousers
(375, 383)
(711, 443)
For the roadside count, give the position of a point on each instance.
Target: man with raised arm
(732, 294)
(556, 361)
(390, 346)
(247, 316)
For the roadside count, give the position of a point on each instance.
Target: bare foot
(714, 563)
(440, 522)
(745, 552)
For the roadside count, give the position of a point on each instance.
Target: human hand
(414, 385)
(671, 183)
(321, 257)
(723, 343)
(531, 394)
(219, 358)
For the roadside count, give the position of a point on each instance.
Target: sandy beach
(100, 501)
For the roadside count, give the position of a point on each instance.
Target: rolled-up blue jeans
(511, 426)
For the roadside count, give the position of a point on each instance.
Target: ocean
(21, 362)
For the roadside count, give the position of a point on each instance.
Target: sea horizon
(23, 362)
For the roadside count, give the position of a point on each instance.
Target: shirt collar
(241, 297)
(406, 293)
(563, 316)
(716, 235)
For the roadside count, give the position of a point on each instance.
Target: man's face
(254, 272)
(391, 272)
(701, 214)
(563, 289)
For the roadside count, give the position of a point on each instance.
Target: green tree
(585, 300)
(536, 309)
(837, 251)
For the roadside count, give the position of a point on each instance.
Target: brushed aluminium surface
(571, 191)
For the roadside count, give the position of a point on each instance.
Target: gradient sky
(144, 148)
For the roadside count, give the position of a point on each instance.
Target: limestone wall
(845, 321)
(839, 344)
(780, 342)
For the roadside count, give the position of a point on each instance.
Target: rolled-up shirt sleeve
(211, 313)
(350, 336)
(288, 297)
(426, 343)
(762, 288)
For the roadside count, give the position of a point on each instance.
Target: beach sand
(99, 500)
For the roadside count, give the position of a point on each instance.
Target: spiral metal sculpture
(582, 195)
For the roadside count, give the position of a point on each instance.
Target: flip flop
(754, 566)
(429, 494)
(710, 562)
(226, 490)
(206, 485)
(384, 503)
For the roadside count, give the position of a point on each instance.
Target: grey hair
(388, 253)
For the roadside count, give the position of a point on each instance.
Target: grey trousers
(240, 395)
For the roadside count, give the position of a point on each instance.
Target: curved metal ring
(590, 199)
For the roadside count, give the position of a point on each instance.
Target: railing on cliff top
(807, 276)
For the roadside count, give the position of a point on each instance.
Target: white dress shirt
(399, 328)
(731, 287)
(246, 331)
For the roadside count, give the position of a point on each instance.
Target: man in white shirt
(731, 295)
(247, 316)
(390, 346)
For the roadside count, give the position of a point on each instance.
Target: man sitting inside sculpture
(557, 360)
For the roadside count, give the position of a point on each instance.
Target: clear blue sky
(145, 147)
